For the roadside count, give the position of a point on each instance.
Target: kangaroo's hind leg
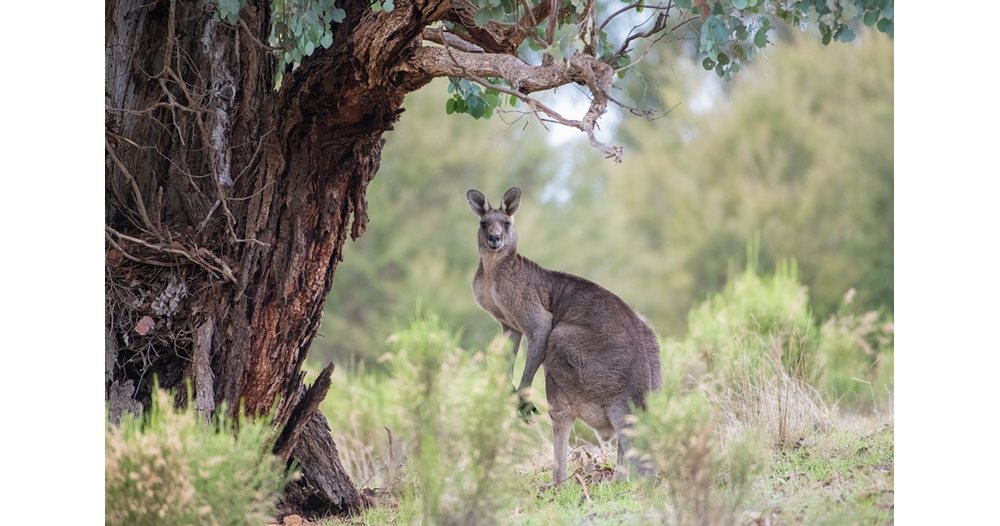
(560, 447)
(562, 416)
(617, 414)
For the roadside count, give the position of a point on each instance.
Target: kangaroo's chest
(489, 295)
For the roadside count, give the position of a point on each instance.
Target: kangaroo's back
(610, 349)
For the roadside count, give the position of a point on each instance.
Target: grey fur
(600, 358)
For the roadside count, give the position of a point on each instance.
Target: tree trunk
(227, 206)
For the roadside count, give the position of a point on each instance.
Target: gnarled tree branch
(431, 62)
(428, 63)
(480, 53)
(451, 40)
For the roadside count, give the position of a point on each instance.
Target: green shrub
(168, 466)
(361, 405)
(856, 357)
(452, 418)
(758, 340)
(459, 422)
(758, 345)
(754, 310)
(705, 479)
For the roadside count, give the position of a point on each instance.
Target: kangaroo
(599, 356)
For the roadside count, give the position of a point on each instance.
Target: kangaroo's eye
(482, 224)
(506, 225)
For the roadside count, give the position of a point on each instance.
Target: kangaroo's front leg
(537, 325)
(515, 339)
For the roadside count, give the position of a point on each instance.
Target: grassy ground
(762, 419)
(841, 476)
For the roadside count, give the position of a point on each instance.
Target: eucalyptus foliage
(730, 33)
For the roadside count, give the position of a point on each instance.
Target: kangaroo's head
(496, 225)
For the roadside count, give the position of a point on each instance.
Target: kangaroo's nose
(494, 238)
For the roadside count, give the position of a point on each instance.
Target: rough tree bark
(228, 202)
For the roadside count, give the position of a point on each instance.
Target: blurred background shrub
(169, 466)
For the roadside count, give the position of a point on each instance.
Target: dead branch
(199, 256)
(137, 194)
(583, 485)
(659, 25)
(634, 6)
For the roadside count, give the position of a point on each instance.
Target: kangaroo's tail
(651, 347)
(653, 357)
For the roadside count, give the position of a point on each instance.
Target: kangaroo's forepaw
(525, 409)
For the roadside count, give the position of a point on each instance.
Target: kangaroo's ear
(511, 200)
(477, 202)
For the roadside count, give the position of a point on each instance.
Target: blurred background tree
(797, 149)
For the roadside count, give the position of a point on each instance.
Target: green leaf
(884, 25)
(389, 5)
(848, 11)
(492, 98)
(719, 70)
(683, 4)
(482, 17)
(846, 35)
(476, 106)
(326, 40)
(740, 4)
(449, 107)
(376, 6)
(741, 32)
(310, 47)
(708, 63)
(338, 15)
(760, 39)
(723, 59)
(718, 30)
(870, 18)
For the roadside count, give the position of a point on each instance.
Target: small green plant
(759, 345)
(856, 357)
(462, 435)
(774, 309)
(362, 408)
(706, 480)
(169, 466)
